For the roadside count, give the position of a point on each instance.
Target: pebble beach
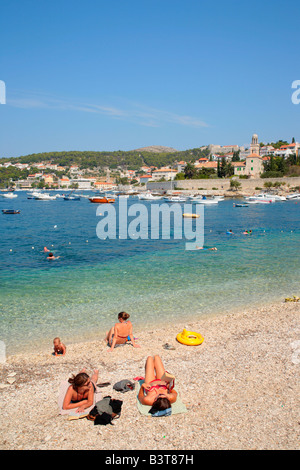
(240, 388)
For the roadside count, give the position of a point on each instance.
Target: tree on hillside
(190, 171)
(235, 184)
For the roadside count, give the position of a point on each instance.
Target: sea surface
(79, 295)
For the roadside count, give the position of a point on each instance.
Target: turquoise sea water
(78, 296)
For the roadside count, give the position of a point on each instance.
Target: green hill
(131, 160)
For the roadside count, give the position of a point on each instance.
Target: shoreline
(240, 388)
(190, 320)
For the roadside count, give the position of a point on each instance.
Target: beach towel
(177, 407)
(72, 413)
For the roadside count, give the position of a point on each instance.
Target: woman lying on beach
(154, 391)
(80, 394)
(121, 332)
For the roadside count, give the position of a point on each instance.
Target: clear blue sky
(109, 75)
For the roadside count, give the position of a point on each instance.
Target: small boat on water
(33, 194)
(9, 195)
(148, 197)
(72, 198)
(101, 200)
(10, 211)
(44, 197)
(293, 197)
(175, 199)
(206, 201)
(240, 205)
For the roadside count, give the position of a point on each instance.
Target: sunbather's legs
(159, 367)
(149, 370)
(94, 377)
(108, 335)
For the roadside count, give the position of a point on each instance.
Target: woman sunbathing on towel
(154, 391)
(80, 394)
(121, 332)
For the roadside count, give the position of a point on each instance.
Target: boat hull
(101, 200)
(10, 211)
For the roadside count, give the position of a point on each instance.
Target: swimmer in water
(210, 249)
(51, 256)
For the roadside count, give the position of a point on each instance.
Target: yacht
(204, 200)
(207, 201)
(260, 198)
(148, 197)
(175, 199)
(33, 194)
(9, 195)
(44, 197)
(270, 197)
(293, 197)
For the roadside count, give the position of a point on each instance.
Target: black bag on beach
(105, 411)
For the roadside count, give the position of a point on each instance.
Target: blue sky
(98, 75)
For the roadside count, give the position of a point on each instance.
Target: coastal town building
(266, 150)
(217, 149)
(105, 185)
(206, 164)
(181, 166)
(65, 182)
(166, 173)
(254, 146)
(288, 150)
(254, 165)
(239, 168)
(145, 178)
(83, 183)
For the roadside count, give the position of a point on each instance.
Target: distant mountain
(156, 149)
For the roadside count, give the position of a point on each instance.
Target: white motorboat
(175, 199)
(44, 197)
(271, 197)
(260, 198)
(207, 201)
(293, 197)
(148, 197)
(9, 195)
(204, 200)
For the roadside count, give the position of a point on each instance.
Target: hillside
(133, 159)
(156, 149)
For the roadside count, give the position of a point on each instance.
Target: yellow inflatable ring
(190, 338)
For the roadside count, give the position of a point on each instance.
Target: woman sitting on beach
(80, 393)
(121, 332)
(154, 391)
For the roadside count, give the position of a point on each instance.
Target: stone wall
(222, 185)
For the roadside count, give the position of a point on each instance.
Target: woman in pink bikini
(154, 391)
(121, 332)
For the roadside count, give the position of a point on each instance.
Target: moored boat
(9, 195)
(44, 197)
(101, 200)
(72, 198)
(10, 211)
(293, 197)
